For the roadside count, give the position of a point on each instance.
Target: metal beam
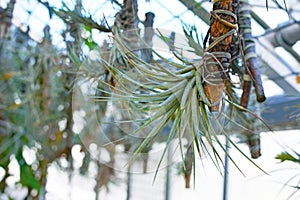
(278, 67)
(280, 113)
(288, 32)
(259, 20)
(279, 80)
(286, 36)
(197, 9)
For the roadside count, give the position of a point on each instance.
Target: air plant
(185, 94)
(196, 99)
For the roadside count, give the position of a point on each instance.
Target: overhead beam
(278, 113)
(259, 20)
(197, 9)
(289, 33)
(280, 81)
(286, 36)
(278, 68)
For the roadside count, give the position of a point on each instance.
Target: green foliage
(29, 106)
(286, 156)
(27, 177)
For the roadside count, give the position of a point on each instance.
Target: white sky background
(255, 185)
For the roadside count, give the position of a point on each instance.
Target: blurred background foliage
(36, 115)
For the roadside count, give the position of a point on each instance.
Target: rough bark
(222, 26)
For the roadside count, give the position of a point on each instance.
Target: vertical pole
(148, 35)
(128, 182)
(226, 164)
(168, 175)
(70, 122)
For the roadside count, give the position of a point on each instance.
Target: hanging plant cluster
(188, 96)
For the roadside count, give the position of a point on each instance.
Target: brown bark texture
(222, 27)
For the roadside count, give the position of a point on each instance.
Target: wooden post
(148, 35)
(252, 72)
(222, 27)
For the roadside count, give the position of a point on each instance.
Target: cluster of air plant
(196, 99)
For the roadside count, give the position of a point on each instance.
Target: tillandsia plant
(184, 94)
(151, 94)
